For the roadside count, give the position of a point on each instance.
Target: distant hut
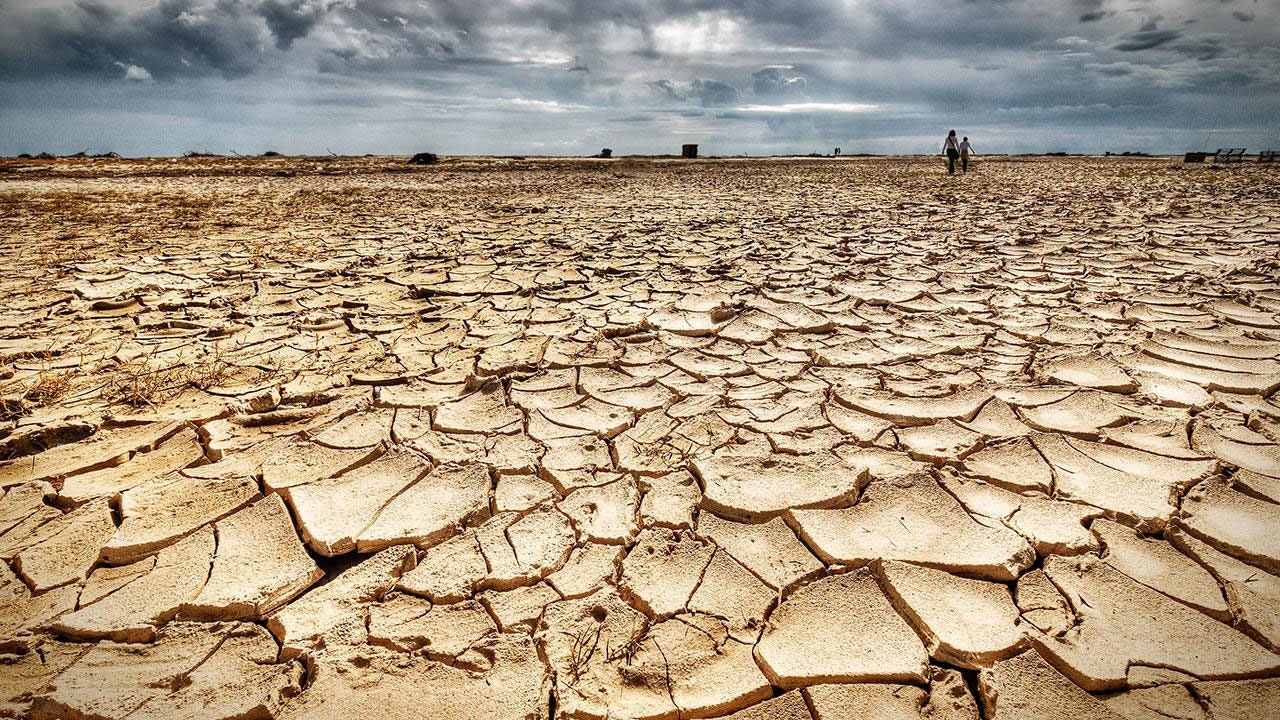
(689, 150)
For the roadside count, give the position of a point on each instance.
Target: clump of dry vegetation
(136, 386)
(582, 647)
(47, 388)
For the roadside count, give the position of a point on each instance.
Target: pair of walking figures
(957, 150)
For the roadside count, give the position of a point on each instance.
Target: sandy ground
(799, 439)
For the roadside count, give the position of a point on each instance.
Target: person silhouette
(965, 150)
(951, 148)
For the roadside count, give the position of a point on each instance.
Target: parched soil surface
(507, 438)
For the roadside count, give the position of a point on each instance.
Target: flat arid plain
(504, 438)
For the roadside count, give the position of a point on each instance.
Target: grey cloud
(1201, 48)
(712, 93)
(778, 81)
(1147, 39)
(705, 91)
(1111, 69)
(1091, 10)
(1148, 36)
(1242, 16)
(168, 38)
(290, 20)
(670, 89)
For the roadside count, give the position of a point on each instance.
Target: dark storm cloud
(551, 73)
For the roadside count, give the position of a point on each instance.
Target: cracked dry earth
(642, 439)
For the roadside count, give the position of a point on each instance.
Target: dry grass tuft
(582, 648)
(136, 386)
(627, 651)
(48, 388)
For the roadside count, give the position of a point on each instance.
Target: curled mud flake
(969, 623)
(866, 699)
(1160, 566)
(1014, 465)
(1252, 594)
(63, 550)
(661, 571)
(1235, 523)
(916, 521)
(226, 670)
(769, 550)
(753, 488)
(1051, 526)
(333, 614)
(163, 511)
(260, 565)
(1124, 623)
(1027, 686)
(872, 644)
(129, 608)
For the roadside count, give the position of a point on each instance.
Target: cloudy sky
(567, 77)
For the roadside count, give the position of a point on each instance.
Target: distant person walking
(951, 148)
(965, 150)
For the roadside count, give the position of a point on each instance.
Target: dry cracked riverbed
(527, 439)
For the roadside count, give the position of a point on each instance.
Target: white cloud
(811, 107)
(550, 106)
(135, 73)
(546, 57)
(703, 33)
